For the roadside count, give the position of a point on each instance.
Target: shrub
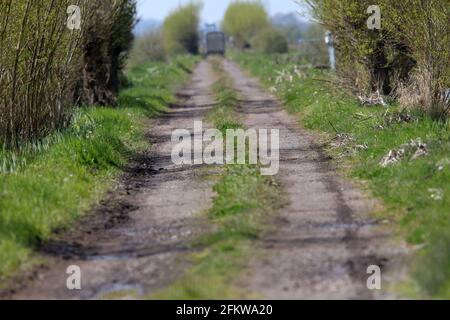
(40, 75)
(243, 20)
(39, 60)
(148, 47)
(409, 57)
(270, 41)
(180, 30)
(424, 28)
(108, 38)
(369, 59)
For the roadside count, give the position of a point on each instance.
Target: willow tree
(243, 20)
(107, 40)
(48, 61)
(39, 64)
(424, 28)
(407, 56)
(180, 30)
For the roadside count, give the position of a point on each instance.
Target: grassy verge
(49, 183)
(243, 201)
(416, 192)
(223, 115)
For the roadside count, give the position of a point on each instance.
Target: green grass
(240, 211)
(405, 187)
(243, 202)
(223, 115)
(49, 183)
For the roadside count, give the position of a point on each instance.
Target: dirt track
(137, 239)
(325, 237)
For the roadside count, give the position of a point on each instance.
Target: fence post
(329, 42)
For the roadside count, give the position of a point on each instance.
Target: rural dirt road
(136, 240)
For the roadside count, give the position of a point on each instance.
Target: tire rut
(136, 239)
(325, 237)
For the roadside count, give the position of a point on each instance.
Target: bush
(270, 41)
(243, 20)
(148, 47)
(108, 38)
(424, 28)
(361, 52)
(409, 56)
(365, 57)
(39, 60)
(40, 76)
(180, 30)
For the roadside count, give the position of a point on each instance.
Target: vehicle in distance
(215, 43)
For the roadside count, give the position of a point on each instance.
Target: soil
(325, 236)
(136, 241)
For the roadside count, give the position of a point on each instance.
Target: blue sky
(213, 10)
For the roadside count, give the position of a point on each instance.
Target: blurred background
(282, 25)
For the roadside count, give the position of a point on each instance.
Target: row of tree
(408, 57)
(178, 35)
(55, 54)
(245, 22)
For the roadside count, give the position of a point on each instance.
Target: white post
(329, 42)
